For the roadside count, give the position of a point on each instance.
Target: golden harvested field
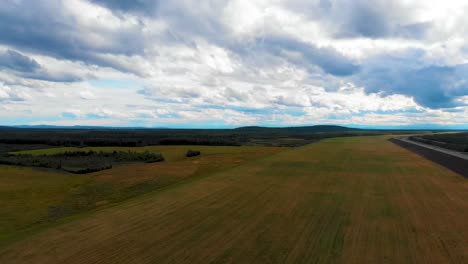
(343, 200)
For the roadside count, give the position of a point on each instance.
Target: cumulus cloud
(432, 86)
(87, 95)
(26, 67)
(307, 55)
(16, 61)
(234, 62)
(70, 30)
(377, 19)
(9, 94)
(362, 18)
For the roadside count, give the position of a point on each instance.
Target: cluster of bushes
(146, 156)
(442, 141)
(31, 161)
(80, 161)
(86, 170)
(192, 153)
(118, 156)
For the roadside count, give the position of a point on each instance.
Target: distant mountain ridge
(245, 129)
(299, 129)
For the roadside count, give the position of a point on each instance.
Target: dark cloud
(376, 19)
(139, 6)
(26, 67)
(367, 19)
(431, 86)
(13, 60)
(328, 59)
(42, 27)
(190, 20)
(325, 4)
(187, 18)
(44, 75)
(363, 18)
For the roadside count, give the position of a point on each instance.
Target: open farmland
(32, 199)
(343, 200)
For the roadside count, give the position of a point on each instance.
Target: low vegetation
(244, 136)
(80, 161)
(192, 153)
(32, 198)
(453, 141)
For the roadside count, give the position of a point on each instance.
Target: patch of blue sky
(169, 115)
(27, 120)
(95, 116)
(293, 112)
(69, 115)
(390, 112)
(338, 117)
(170, 101)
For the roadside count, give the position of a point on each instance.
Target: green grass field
(342, 200)
(33, 199)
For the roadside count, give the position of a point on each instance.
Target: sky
(221, 64)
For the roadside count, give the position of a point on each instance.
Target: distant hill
(296, 130)
(6, 127)
(250, 129)
(246, 129)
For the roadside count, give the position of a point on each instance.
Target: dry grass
(353, 200)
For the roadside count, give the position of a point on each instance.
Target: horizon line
(350, 126)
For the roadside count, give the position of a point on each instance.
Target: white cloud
(8, 93)
(237, 62)
(87, 95)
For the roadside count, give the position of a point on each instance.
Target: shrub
(192, 153)
(80, 162)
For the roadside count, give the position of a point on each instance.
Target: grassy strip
(76, 196)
